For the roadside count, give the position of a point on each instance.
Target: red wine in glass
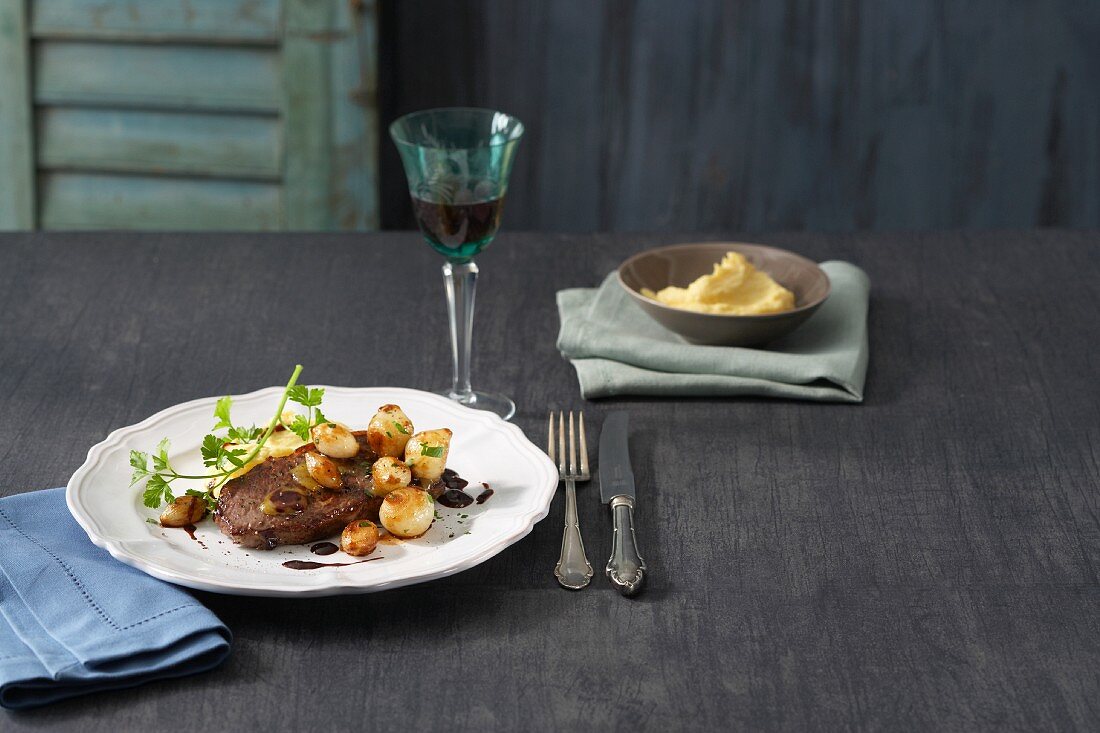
(457, 231)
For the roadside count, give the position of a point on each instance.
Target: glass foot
(488, 401)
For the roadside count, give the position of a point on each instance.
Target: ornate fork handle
(573, 570)
(626, 568)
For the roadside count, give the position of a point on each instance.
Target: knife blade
(616, 478)
(626, 568)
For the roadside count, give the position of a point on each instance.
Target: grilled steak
(240, 516)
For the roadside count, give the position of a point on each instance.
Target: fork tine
(584, 448)
(561, 443)
(550, 438)
(572, 447)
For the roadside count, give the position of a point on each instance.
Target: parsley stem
(274, 420)
(173, 476)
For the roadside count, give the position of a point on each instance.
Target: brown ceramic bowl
(680, 264)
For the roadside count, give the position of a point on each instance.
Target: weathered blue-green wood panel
(192, 114)
(89, 201)
(354, 201)
(162, 76)
(16, 147)
(308, 34)
(206, 21)
(330, 61)
(232, 146)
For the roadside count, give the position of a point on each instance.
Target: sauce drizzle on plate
(311, 565)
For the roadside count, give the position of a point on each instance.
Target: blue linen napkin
(74, 620)
(618, 350)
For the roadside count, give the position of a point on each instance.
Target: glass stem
(461, 283)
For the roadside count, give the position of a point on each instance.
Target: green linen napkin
(617, 349)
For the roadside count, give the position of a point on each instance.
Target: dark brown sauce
(455, 499)
(310, 565)
(484, 496)
(453, 481)
(190, 530)
(281, 502)
(323, 548)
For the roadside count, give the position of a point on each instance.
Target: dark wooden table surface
(927, 559)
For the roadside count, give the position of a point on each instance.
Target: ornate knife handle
(626, 568)
(573, 570)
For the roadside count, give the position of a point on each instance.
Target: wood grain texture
(244, 90)
(16, 128)
(205, 21)
(925, 560)
(135, 141)
(353, 72)
(758, 115)
(72, 200)
(307, 112)
(157, 76)
(331, 114)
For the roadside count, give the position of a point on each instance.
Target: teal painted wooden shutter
(16, 146)
(204, 114)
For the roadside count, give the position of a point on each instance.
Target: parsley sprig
(311, 400)
(223, 453)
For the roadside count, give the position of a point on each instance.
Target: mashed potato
(734, 288)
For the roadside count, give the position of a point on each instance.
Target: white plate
(484, 449)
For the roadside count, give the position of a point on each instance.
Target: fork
(573, 570)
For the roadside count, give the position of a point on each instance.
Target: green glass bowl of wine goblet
(457, 161)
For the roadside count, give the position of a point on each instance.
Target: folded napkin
(74, 620)
(617, 349)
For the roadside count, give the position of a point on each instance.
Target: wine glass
(457, 161)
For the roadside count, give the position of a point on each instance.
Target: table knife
(626, 568)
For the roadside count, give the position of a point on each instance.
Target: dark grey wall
(767, 114)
